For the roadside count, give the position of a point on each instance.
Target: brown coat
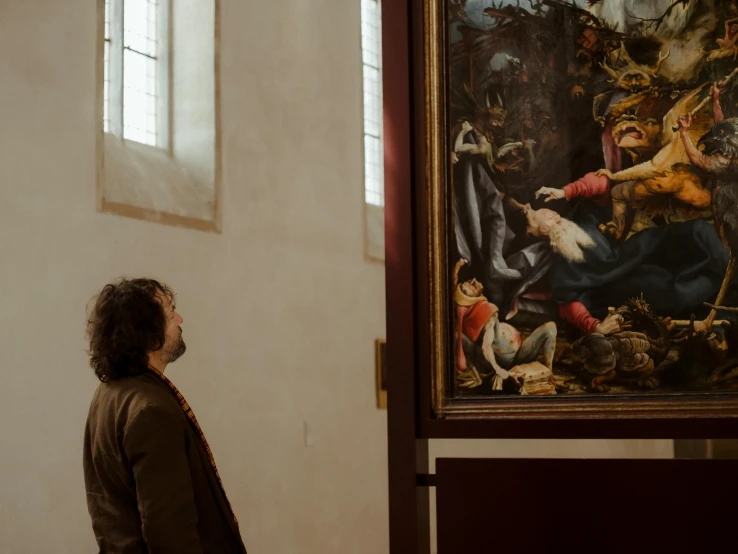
(150, 485)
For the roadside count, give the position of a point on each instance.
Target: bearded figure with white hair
(675, 267)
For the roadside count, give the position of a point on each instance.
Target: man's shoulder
(135, 393)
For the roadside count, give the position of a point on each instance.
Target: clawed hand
(684, 122)
(550, 193)
(503, 373)
(716, 89)
(604, 173)
(611, 324)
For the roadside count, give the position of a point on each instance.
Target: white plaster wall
(193, 71)
(139, 175)
(281, 310)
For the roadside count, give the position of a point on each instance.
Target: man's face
(472, 288)
(631, 132)
(174, 345)
(543, 220)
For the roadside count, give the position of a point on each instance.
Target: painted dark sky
(474, 8)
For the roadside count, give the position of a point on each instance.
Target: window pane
(372, 101)
(106, 70)
(371, 34)
(139, 102)
(371, 42)
(373, 170)
(106, 87)
(107, 19)
(139, 29)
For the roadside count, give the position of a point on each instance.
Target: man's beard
(568, 239)
(174, 351)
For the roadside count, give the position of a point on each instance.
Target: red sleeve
(588, 186)
(578, 315)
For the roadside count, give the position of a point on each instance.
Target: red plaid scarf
(191, 416)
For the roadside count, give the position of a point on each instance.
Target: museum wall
(281, 310)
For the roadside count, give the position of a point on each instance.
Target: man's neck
(157, 365)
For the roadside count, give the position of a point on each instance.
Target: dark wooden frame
(595, 496)
(380, 347)
(431, 198)
(411, 422)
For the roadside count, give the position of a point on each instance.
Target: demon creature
(719, 159)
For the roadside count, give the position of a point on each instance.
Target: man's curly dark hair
(126, 323)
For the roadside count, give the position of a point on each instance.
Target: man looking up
(152, 484)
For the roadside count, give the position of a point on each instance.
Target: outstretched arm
(644, 170)
(713, 164)
(461, 263)
(578, 315)
(717, 110)
(460, 146)
(695, 156)
(591, 185)
(490, 331)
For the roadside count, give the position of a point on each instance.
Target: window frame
(111, 167)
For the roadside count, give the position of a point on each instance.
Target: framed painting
(582, 207)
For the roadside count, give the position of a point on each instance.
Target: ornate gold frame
(435, 78)
(671, 406)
